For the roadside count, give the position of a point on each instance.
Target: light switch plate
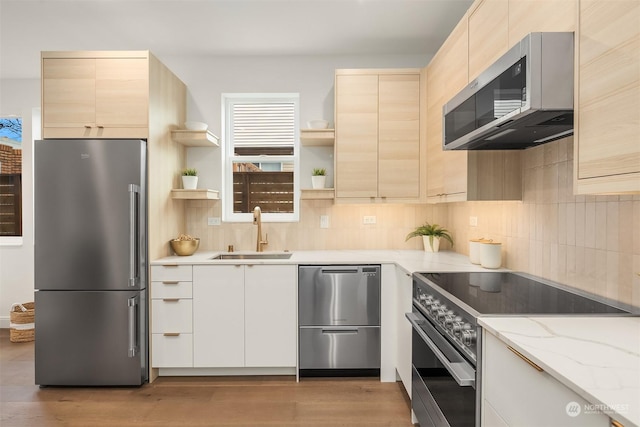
(213, 220)
(324, 221)
(473, 221)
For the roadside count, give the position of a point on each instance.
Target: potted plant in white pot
(431, 235)
(189, 179)
(318, 177)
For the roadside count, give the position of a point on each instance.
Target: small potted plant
(431, 235)
(189, 179)
(318, 177)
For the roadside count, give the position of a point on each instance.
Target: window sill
(11, 241)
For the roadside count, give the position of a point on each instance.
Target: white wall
(16, 262)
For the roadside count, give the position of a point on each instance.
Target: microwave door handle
(461, 372)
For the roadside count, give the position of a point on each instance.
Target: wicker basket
(22, 326)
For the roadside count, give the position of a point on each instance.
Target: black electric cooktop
(509, 293)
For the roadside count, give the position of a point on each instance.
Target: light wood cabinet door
(607, 148)
(356, 135)
(399, 136)
(527, 16)
(270, 315)
(122, 92)
(488, 34)
(218, 316)
(68, 93)
(446, 76)
(87, 97)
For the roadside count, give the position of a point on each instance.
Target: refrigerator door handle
(133, 323)
(134, 229)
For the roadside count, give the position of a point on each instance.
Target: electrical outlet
(473, 221)
(369, 219)
(324, 221)
(213, 220)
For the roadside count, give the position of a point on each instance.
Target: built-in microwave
(524, 99)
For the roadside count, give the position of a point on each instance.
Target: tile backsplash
(589, 242)
(346, 228)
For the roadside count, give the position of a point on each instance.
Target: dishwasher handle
(334, 270)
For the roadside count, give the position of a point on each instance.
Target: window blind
(263, 124)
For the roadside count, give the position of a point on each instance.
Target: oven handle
(461, 371)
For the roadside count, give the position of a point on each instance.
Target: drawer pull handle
(171, 334)
(340, 331)
(525, 358)
(170, 282)
(169, 265)
(170, 299)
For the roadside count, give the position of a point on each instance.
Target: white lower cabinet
(403, 327)
(515, 393)
(244, 316)
(270, 315)
(218, 316)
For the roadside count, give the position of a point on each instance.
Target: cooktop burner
(509, 293)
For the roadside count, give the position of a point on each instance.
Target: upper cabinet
(454, 176)
(528, 16)
(607, 135)
(488, 34)
(377, 116)
(95, 94)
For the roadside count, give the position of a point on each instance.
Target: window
(10, 176)
(261, 161)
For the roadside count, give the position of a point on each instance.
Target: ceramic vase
(431, 245)
(189, 182)
(317, 181)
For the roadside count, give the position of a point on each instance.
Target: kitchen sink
(278, 255)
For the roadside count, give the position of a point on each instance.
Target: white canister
(491, 254)
(474, 249)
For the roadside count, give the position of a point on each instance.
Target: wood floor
(196, 401)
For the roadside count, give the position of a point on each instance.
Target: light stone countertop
(409, 260)
(598, 358)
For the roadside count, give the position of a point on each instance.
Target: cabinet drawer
(172, 351)
(175, 315)
(171, 289)
(160, 273)
(340, 347)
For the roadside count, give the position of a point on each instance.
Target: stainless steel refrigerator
(90, 262)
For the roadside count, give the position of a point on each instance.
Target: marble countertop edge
(519, 332)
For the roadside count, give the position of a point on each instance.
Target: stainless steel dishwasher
(339, 319)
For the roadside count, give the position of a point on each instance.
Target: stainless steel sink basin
(279, 255)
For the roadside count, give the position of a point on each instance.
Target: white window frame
(228, 157)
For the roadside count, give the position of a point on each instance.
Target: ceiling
(222, 27)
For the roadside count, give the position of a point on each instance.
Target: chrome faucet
(257, 220)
